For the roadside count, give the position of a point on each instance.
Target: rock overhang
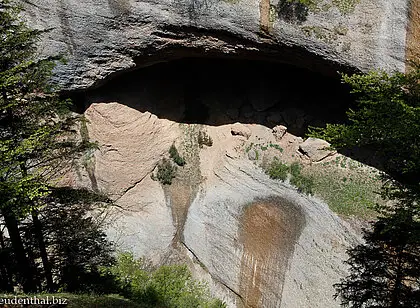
(103, 38)
(218, 91)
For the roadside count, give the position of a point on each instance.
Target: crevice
(196, 259)
(133, 186)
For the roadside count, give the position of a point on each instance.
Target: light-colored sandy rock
(316, 149)
(130, 145)
(239, 129)
(258, 242)
(142, 223)
(279, 131)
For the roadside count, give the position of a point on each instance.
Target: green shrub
(166, 171)
(276, 146)
(204, 139)
(173, 153)
(295, 169)
(303, 183)
(169, 286)
(277, 170)
(280, 171)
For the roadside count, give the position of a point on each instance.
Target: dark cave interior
(217, 91)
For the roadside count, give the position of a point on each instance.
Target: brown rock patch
(270, 229)
(412, 50)
(265, 24)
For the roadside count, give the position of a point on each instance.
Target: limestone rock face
(102, 37)
(257, 241)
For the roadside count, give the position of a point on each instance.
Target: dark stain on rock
(412, 50)
(270, 229)
(66, 28)
(265, 23)
(119, 7)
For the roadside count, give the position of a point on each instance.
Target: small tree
(384, 271)
(37, 137)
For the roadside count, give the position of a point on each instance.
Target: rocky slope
(258, 242)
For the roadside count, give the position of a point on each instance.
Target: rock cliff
(103, 37)
(257, 241)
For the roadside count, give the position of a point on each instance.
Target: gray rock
(102, 37)
(252, 154)
(265, 242)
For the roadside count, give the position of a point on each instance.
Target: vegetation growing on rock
(169, 286)
(278, 170)
(384, 270)
(166, 172)
(174, 154)
(204, 139)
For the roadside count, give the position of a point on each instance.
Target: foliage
(280, 171)
(166, 172)
(294, 10)
(36, 127)
(348, 192)
(174, 154)
(277, 170)
(38, 145)
(345, 6)
(276, 146)
(78, 247)
(303, 183)
(170, 286)
(204, 139)
(384, 270)
(386, 120)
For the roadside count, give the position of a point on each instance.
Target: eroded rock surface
(102, 37)
(257, 241)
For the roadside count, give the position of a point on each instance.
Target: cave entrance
(222, 91)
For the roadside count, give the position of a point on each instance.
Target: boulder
(279, 131)
(316, 149)
(239, 129)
